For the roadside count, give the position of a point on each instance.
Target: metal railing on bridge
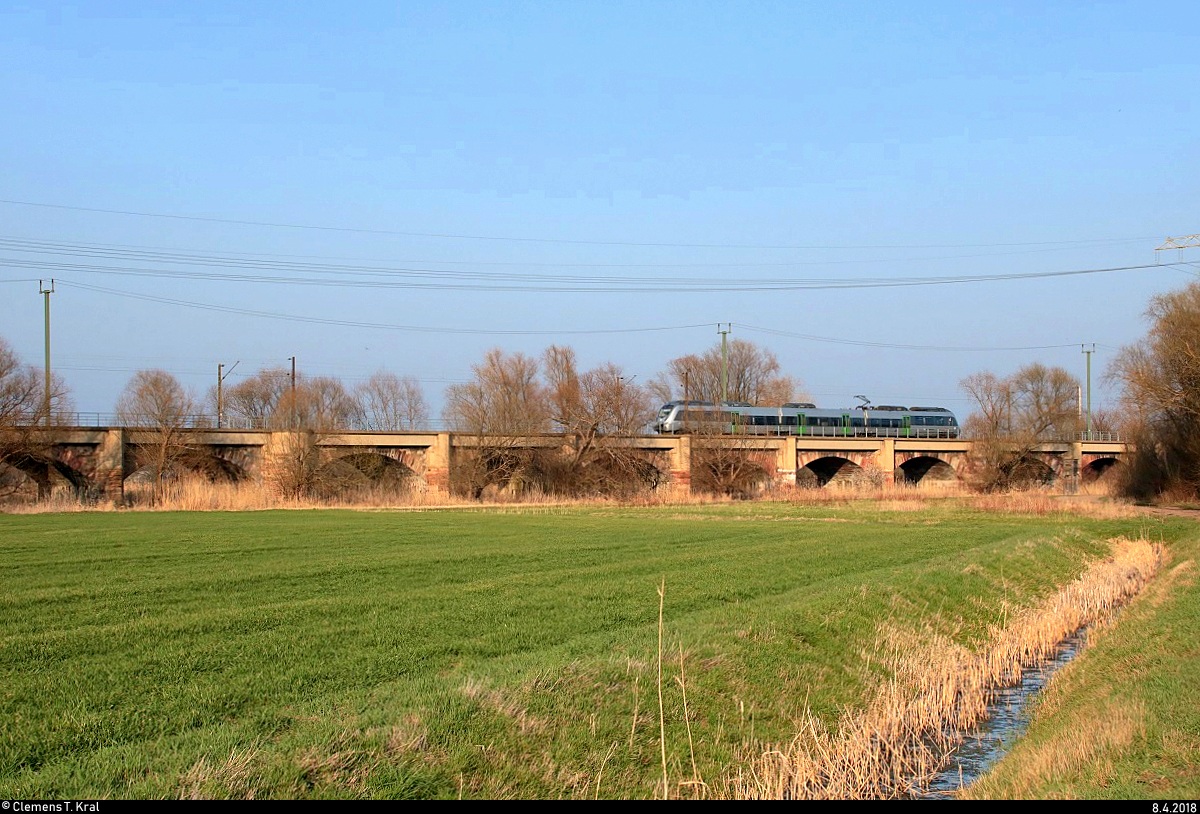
(208, 421)
(1107, 437)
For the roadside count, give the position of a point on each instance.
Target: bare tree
(752, 374)
(21, 411)
(993, 404)
(320, 403)
(720, 464)
(1013, 416)
(271, 398)
(254, 401)
(1160, 377)
(155, 403)
(726, 465)
(504, 397)
(24, 440)
(1046, 402)
(595, 410)
(307, 413)
(504, 402)
(390, 402)
(21, 390)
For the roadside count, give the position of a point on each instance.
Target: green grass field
(494, 654)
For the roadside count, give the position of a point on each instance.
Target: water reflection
(1007, 720)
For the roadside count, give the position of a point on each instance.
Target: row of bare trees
(512, 394)
(157, 404)
(508, 397)
(1159, 414)
(1013, 415)
(743, 371)
(273, 398)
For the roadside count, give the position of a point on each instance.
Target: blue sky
(619, 177)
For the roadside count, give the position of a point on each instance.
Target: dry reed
(896, 746)
(200, 494)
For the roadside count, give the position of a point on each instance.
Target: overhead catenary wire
(525, 239)
(77, 258)
(441, 279)
(119, 250)
(900, 346)
(375, 325)
(528, 332)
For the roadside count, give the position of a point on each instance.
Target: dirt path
(1172, 511)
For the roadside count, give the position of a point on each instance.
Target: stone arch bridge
(98, 460)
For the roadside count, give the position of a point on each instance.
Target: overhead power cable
(563, 241)
(359, 324)
(503, 332)
(898, 346)
(125, 251)
(440, 279)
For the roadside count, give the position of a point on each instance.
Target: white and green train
(802, 418)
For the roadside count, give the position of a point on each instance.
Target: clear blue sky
(624, 166)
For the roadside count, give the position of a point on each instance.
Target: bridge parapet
(102, 457)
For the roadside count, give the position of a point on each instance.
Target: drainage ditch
(1009, 713)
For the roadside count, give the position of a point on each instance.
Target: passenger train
(803, 418)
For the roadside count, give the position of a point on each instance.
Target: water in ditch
(1007, 720)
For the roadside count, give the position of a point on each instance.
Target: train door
(846, 424)
(905, 426)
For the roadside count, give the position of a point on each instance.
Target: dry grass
(1110, 726)
(498, 702)
(200, 494)
(232, 778)
(939, 691)
(1048, 503)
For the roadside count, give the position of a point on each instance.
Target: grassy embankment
(1124, 721)
(492, 654)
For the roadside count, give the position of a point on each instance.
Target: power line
(438, 279)
(567, 332)
(375, 325)
(98, 249)
(564, 241)
(897, 346)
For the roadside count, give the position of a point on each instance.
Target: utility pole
(724, 359)
(295, 410)
(1089, 353)
(220, 393)
(46, 292)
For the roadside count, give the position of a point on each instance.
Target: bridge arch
(367, 469)
(829, 470)
(217, 467)
(926, 470)
(1098, 468)
(47, 473)
(1029, 470)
